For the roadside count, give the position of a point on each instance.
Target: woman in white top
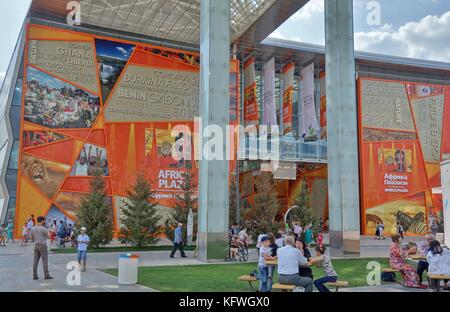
(439, 261)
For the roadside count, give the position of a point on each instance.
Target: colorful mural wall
(90, 102)
(404, 134)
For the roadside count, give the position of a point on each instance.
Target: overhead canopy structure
(173, 20)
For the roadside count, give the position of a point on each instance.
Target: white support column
(214, 110)
(343, 172)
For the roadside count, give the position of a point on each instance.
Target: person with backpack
(61, 234)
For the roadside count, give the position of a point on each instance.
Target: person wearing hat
(264, 254)
(83, 242)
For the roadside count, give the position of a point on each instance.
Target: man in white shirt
(289, 259)
(83, 242)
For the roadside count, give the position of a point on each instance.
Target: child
(2, 235)
(323, 261)
(234, 247)
(264, 254)
(25, 234)
(9, 231)
(320, 239)
(308, 235)
(83, 242)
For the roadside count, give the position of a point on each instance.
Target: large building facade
(75, 99)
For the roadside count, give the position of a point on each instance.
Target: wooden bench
(285, 288)
(249, 279)
(338, 284)
(437, 278)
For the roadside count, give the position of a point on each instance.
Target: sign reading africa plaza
(402, 132)
(154, 94)
(72, 61)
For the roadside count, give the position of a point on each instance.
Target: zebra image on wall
(412, 225)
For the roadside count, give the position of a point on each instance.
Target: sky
(409, 28)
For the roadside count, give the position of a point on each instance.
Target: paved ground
(16, 275)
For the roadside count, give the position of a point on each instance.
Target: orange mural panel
(59, 151)
(30, 202)
(46, 33)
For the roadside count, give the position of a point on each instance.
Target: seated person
(304, 270)
(439, 261)
(397, 259)
(234, 246)
(323, 261)
(289, 259)
(424, 246)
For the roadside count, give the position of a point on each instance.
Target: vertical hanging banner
(445, 177)
(251, 114)
(310, 125)
(323, 106)
(288, 90)
(269, 112)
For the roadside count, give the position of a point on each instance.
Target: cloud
(277, 34)
(122, 50)
(309, 10)
(427, 38)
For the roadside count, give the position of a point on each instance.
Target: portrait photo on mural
(90, 159)
(53, 103)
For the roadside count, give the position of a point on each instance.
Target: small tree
(184, 201)
(139, 218)
(95, 213)
(304, 213)
(263, 217)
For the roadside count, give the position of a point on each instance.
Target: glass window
(14, 118)
(11, 211)
(17, 98)
(11, 182)
(14, 159)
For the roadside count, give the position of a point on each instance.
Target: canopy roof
(173, 20)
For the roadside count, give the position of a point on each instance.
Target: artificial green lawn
(224, 277)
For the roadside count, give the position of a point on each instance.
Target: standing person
(308, 235)
(2, 235)
(178, 241)
(381, 230)
(320, 238)
(82, 242)
(259, 242)
(323, 261)
(434, 228)
(30, 224)
(273, 253)
(39, 234)
(243, 236)
(33, 220)
(25, 234)
(297, 229)
(400, 230)
(9, 231)
(289, 259)
(264, 254)
(61, 234)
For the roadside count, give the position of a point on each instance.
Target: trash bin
(128, 269)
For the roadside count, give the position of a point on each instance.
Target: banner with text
(269, 112)
(310, 125)
(288, 90)
(251, 114)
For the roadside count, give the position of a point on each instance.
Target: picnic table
(417, 257)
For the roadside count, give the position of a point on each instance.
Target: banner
(269, 111)
(251, 114)
(323, 106)
(288, 90)
(310, 125)
(445, 176)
